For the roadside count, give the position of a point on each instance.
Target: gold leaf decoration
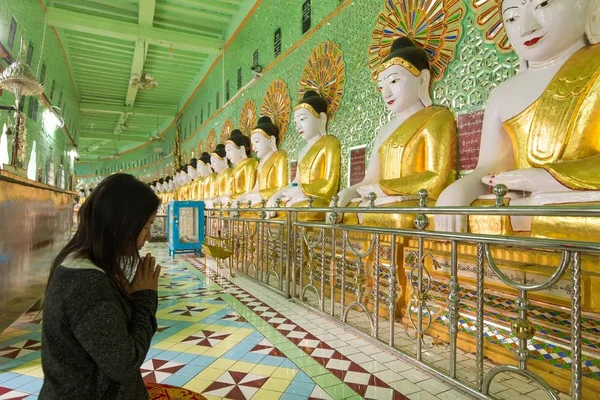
(200, 147)
(211, 140)
(325, 73)
(226, 131)
(277, 106)
(489, 20)
(436, 25)
(248, 117)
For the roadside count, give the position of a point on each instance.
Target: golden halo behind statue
(436, 25)
(325, 73)
(226, 130)
(200, 147)
(489, 20)
(248, 117)
(184, 157)
(211, 141)
(277, 105)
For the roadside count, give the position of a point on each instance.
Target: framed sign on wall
(357, 164)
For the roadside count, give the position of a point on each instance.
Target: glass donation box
(185, 227)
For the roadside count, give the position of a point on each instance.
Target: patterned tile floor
(236, 339)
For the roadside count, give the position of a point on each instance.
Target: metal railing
(353, 273)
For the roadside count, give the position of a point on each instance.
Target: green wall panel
(476, 69)
(30, 19)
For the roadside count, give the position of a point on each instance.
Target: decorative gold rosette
(436, 25)
(489, 20)
(248, 117)
(325, 73)
(226, 131)
(200, 147)
(277, 105)
(211, 140)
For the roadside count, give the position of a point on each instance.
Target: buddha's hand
(293, 193)
(459, 194)
(253, 198)
(345, 197)
(365, 190)
(532, 180)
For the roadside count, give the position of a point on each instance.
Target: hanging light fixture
(143, 81)
(19, 79)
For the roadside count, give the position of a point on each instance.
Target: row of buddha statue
(541, 139)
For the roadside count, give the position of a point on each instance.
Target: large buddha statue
(219, 183)
(415, 150)
(318, 172)
(243, 174)
(541, 130)
(272, 175)
(203, 170)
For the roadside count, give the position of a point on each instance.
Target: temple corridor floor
(232, 338)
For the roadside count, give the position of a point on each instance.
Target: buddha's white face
(306, 124)
(203, 169)
(261, 145)
(218, 164)
(540, 30)
(399, 88)
(234, 154)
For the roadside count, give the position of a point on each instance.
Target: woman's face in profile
(145, 235)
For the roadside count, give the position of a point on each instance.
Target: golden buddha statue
(541, 127)
(273, 166)
(203, 169)
(243, 174)
(415, 150)
(220, 183)
(318, 172)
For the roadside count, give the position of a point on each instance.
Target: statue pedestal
(549, 309)
(22, 172)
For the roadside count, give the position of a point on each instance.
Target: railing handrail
(532, 211)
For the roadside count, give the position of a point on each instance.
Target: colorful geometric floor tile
(213, 338)
(355, 377)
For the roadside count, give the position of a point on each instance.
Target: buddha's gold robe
(419, 154)
(223, 183)
(319, 172)
(559, 132)
(273, 175)
(209, 186)
(196, 189)
(243, 177)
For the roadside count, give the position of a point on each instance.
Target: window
(22, 104)
(36, 106)
(218, 102)
(255, 58)
(60, 99)
(208, 111)
(239, 78)
(202, 116)
(195, 122)
(30, 54)
(30, 107)
(12, 33)
(43, 74)
(227, 92)
(191, 129)
(52, 88)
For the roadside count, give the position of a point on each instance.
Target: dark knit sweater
(94, 340)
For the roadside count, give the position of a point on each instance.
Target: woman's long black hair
(110, 221)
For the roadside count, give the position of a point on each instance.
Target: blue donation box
(185, 227)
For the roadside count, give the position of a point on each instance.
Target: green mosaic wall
(475, 71)
(29, 16)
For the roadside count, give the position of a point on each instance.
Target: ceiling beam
(101, 26)
(121, 138)
(209, 5)
(113, 109)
